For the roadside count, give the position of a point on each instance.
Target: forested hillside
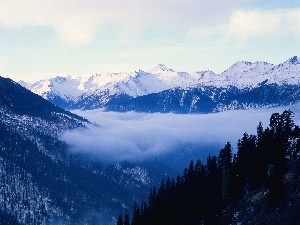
(42, 181)
(259, 184)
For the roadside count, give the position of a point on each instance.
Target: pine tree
(275, 123)
(120, 220)
(245, 162)
(282, 128)
(152, 199)
(287, 123)
(214, 192)
(224, 160)
(136, 215)
(126, 219)
(260, 130)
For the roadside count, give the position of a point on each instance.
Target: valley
(125, 133)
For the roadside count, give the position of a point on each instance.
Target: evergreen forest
(259, 184)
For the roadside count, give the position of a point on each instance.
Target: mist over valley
(173, 138)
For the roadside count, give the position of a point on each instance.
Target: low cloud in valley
(138, 136)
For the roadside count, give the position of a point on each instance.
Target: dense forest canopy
(233, 188)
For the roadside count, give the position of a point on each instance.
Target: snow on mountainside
(99, 90)
(244, 74)
(43, 181)
(134, 84)
(23, 110)
(287, 72)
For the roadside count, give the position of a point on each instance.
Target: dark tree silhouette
(120, 220)
(208, 194)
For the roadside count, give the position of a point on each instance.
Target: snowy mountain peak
(247, 63)
(101, 88)
(60, 79)
(161, 68)
(294, 60)
(238, 67)
(292, 65)
(240, 64)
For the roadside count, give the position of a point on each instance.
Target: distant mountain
(43, 182)
(243, 85)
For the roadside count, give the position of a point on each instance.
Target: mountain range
(43, 182)
(243, 85)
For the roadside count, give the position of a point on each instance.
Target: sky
(139, 136)
(42, 39)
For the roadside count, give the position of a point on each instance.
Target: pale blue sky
(41, 39)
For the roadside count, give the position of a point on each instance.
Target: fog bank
(138, 136)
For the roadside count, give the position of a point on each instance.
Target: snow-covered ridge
(242, 74)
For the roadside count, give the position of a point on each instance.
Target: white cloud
(252, 24)
(135, 136)
(77, 21)
(247, 24)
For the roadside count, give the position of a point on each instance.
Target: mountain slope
(43, 182)
(209, 99)
(29, 111)
(151, 88)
